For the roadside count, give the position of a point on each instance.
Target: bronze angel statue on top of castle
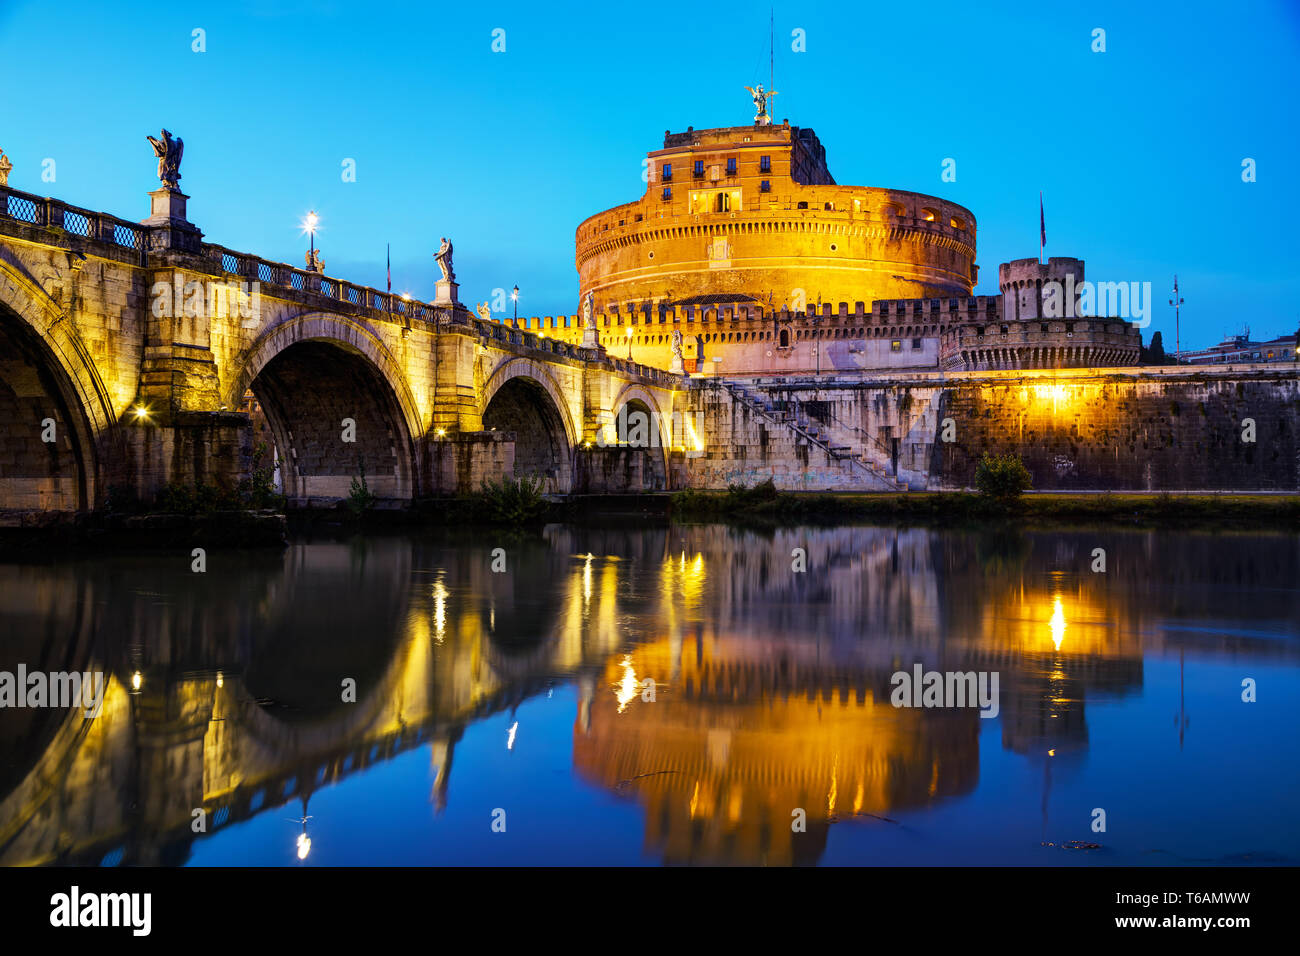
(762, 118)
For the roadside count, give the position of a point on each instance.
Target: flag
(389, 256)
(1042, 226)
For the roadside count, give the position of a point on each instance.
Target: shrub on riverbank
(1003, 478)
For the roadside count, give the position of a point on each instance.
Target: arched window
(784, 340)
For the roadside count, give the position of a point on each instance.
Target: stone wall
(1139, 429)
(1151, 434)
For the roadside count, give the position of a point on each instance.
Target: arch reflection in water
(771, 689)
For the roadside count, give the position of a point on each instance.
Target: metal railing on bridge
(55, 214)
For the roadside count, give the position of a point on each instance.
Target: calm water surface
(522, 697)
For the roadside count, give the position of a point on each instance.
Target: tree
(1002, 477)
(1154, 354)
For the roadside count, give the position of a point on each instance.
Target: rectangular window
(896, 345)
(916, 343)
(765, 187)
(668, 192)
(731, 166)
(765, 164)
(699, 169)
(668, 171)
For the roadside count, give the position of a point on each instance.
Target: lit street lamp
(514, 297)
(309, 226)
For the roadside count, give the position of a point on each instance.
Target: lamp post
(514, 297)
(1176, 301)
(629, 343)
(310, 225)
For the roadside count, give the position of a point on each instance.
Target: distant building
(1240, 348)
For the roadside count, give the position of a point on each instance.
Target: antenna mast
(771, 48)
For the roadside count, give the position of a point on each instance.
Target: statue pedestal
(676, 367)
(445, 293)
(165, 205)
(590, 337)
(168, 227)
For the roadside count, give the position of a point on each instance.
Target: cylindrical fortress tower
(751, 213)
(1021, 282)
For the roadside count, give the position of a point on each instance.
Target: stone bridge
(127, 350)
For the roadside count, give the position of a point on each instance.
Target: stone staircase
(869, 471)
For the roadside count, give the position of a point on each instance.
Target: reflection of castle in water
(771, 695)
(772, 686)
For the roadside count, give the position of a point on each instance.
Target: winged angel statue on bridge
(169, 152)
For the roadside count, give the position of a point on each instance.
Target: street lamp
(514, 297)
(1176, 301)
(309, 226)
(629, 343)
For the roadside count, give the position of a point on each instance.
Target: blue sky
(1138, 150)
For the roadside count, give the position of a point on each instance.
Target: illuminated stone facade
(746, 245)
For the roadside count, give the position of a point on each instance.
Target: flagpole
(1042, 227)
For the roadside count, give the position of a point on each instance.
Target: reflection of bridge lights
(136, 680)
(586, 579)
(220, 679)
(304, 846)
(439, 608)
(1057, 624)
(510, 736)
(627, 687)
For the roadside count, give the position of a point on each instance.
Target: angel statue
(760, 104)
(315, 261)
(677, 343)
(169, 152)
(485, 312)
(443, 256)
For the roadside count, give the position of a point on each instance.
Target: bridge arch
(522, 397)
(634, 397)
(310, 373)
(46, 372)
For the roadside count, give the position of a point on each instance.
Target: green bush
(360, 500)
(1002, 477)
(764, 491)
(513, 501)
(259, 490)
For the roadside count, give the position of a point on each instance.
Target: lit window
(896, 345)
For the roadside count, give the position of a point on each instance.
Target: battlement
(1029, 271)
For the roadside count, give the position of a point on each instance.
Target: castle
(745, 257)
